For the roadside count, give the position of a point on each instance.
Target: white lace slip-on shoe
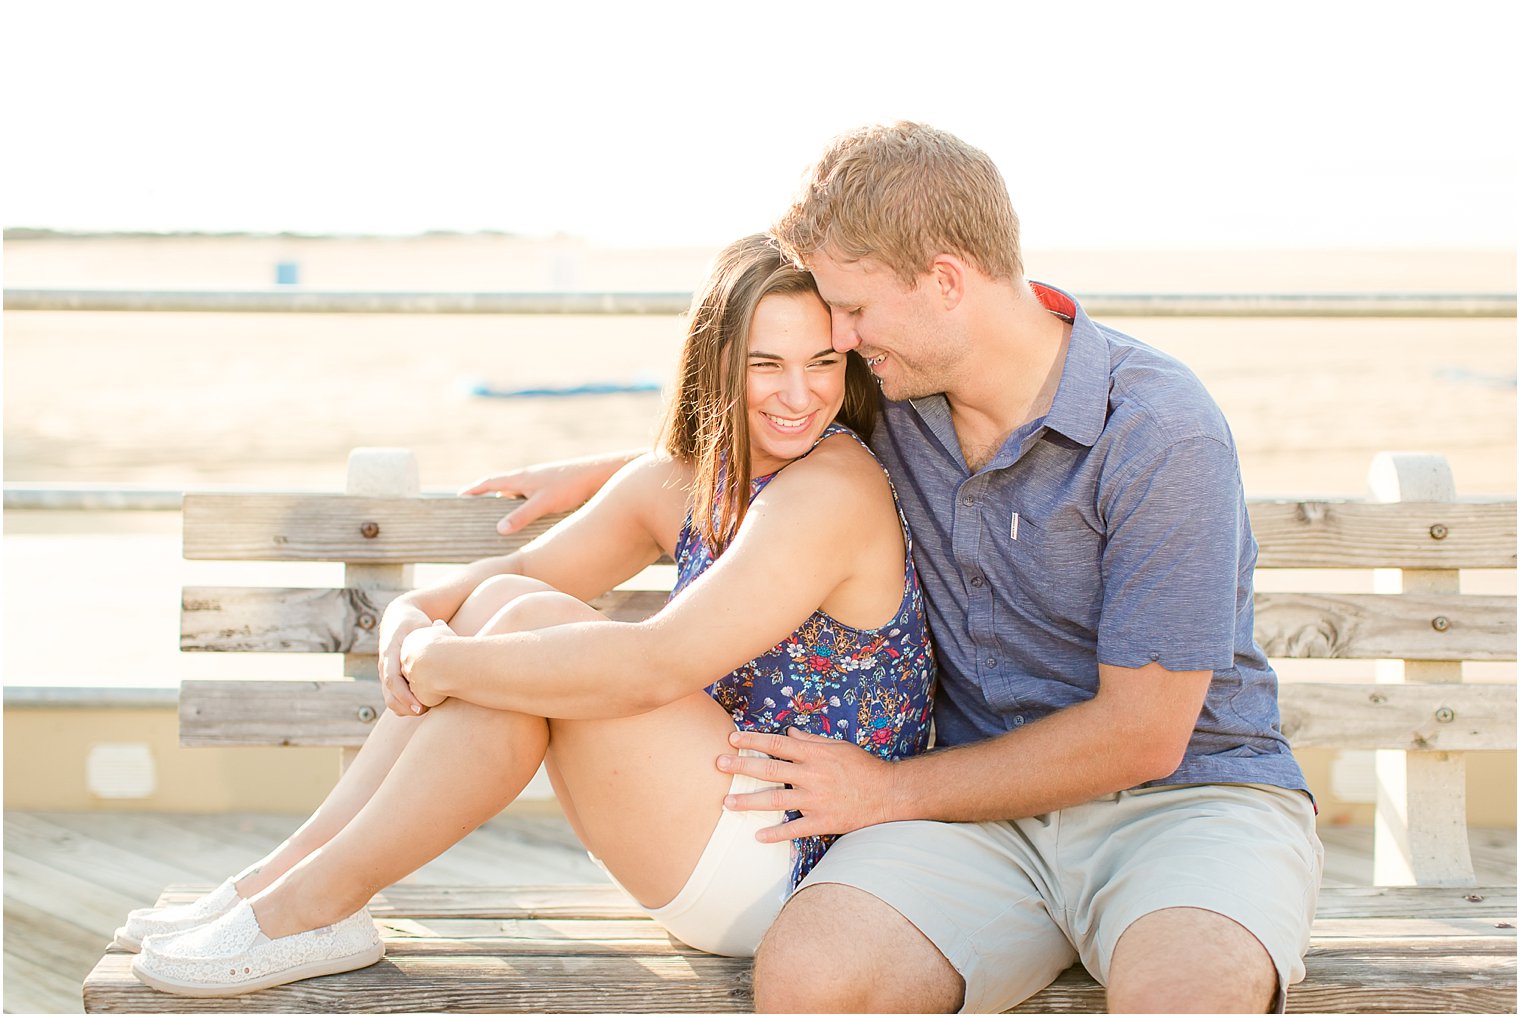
(231, 955)
(145, 922)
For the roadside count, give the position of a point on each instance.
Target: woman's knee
(540, 609)
(487, 599)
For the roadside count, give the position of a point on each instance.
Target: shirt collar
(1080, 407)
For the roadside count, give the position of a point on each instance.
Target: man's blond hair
(900, 194)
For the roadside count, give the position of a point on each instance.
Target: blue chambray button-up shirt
(1114, 531)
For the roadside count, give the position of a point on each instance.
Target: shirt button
(976, 581)
(992, 662)
(1018, 721)
(968, 501)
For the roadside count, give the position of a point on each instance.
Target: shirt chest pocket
(1056, 582)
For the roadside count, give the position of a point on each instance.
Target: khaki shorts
(1013, 904)
(738, 885)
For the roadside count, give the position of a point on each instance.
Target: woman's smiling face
(794, 381)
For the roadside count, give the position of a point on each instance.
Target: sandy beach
(277, 400)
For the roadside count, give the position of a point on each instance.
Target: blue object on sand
(590, 388)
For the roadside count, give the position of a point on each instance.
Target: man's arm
(560, 486)
(1134, 730)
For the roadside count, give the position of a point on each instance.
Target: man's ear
(947, 275)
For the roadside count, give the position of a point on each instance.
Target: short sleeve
(1176, 532)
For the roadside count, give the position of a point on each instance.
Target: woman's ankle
(286, 909)
(253, 881)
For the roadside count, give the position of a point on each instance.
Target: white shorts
(1013, 904)
(738, 885)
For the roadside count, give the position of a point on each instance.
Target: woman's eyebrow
(827, 351)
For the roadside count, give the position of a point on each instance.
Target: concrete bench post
(1420, 829)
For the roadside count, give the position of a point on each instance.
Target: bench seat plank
(586, 948)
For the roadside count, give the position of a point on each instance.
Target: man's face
(894, 328)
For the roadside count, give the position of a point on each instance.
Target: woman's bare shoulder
(840, 467)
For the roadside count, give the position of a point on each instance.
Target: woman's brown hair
(706, 424)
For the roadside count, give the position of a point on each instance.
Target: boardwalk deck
(69, 877)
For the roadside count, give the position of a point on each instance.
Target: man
(1110, 783)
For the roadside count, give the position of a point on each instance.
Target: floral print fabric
(873, 687)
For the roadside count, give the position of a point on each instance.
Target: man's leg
(1227, 970)
(917, 917)
(873, 960)
(1192, 898)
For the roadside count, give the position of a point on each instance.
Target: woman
(795, 584)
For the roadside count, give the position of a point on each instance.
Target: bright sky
(1121, 125)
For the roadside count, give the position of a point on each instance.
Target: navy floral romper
(874, 687)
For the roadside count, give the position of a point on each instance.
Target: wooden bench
(1444, 944)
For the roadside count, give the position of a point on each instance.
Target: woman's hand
(413, 648)
(400, 620)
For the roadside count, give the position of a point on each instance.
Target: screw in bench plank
(366, 621)
(1445, 715)
(1440, 623)
(1438, 532)
(366, 714)
(370, 530)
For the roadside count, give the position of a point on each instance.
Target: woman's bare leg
(460, 765)
(380, 751)
(463, 764)
(646, 790)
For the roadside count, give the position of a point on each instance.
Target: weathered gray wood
(339, 714)
(570, 949)
(294, 620)
(226, 712)
(1460, 718)
(245, 619)
(332, 527)
(1425, 949)
(1351, 534)
(1306, 534)
(571, 982)
(1369, 626)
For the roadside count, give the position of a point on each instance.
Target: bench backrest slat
(346, 528)
(1288, 625)
(1356, 534)
(1417, 626)
(1452, 718)
(1292, 534)
(247, 619)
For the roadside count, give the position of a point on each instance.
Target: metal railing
(1220, 305)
